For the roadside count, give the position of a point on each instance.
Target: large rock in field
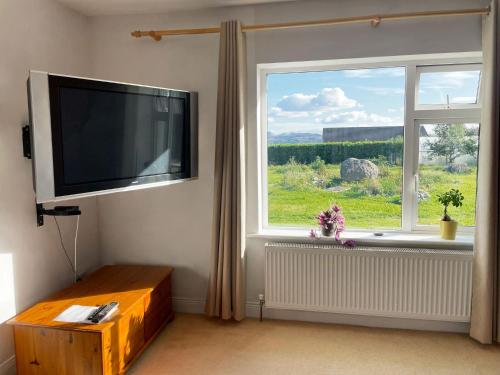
(457, 168)
(354, 169)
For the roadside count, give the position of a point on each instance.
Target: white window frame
(413, 115)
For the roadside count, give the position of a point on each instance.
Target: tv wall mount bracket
(56, 211)
(26, 133)
(40, 210)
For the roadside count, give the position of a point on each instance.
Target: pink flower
(349, 243)
(333, 220)
(313, 234)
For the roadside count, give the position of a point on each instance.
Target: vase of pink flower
(331, 222)
(327, 231)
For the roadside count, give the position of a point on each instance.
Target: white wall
(34, 34)
(171, 225)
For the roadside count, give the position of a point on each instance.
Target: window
(317, 121)
(448, 86)
(379, 139)
(447, 158)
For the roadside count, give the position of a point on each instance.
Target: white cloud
(447, 80)
(463, 99)
(277, 112)
(333, 97)
(299, 105)
(358, 118)
(330, 119)
(295, 102)
(383, 90)
(328, 106)
(373, 117)
(327, 97)
(461, 76)
(296, 127)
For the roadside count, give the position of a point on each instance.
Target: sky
(307, 102)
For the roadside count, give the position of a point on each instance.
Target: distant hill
(293, 138)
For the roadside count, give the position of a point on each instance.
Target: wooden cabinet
(44, 346)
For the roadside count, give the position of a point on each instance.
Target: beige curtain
(485, 314)
(226, 291)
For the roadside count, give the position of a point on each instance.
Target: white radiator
(403, 283)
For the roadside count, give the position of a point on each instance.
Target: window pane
(448, 160)
(317, 122)
(450, 87)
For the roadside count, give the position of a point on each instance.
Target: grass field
(297, 193)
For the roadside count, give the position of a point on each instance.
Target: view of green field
(338, 136)
(298, 192)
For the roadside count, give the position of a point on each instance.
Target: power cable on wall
(72, 264)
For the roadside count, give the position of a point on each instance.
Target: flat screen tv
(91, 137)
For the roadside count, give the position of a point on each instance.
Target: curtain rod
(373, 19)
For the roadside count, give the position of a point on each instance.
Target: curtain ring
(375, 21)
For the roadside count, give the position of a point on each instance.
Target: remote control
(102, 312)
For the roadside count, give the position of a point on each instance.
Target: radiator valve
(261, 303)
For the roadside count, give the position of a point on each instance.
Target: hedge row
(334, 152)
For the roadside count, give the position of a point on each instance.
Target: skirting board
(8, 367)
(194, 306)
(188, 305)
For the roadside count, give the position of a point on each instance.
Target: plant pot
(327, 232)
(448, 229)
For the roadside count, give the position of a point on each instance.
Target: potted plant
(331, 222)
(448, 227)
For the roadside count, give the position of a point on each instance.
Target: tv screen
(112, 136)
(108, 135)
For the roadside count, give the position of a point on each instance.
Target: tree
(453, 197)
(452, 141)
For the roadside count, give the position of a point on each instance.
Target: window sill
(464, 241)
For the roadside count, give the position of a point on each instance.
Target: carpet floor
(195, 345)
